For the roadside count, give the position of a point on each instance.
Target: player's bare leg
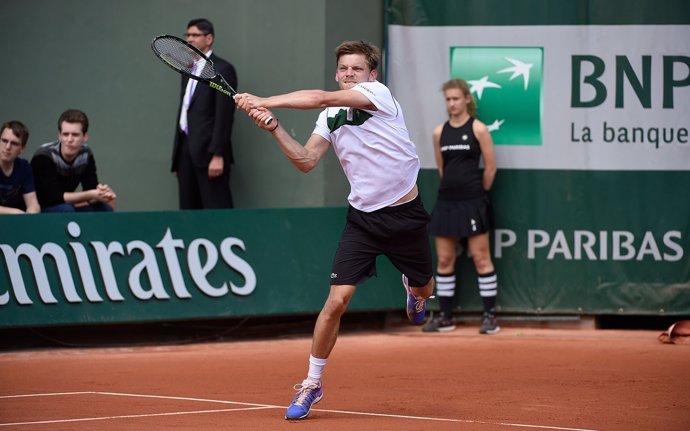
(328, 322)
(326, 331)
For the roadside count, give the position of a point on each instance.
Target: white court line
(166, 397)
(46, 394)
(148, 415)
(254, 407)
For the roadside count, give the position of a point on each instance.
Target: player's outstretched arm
(304, 157)
(305, 99)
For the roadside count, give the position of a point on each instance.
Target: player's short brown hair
(371, 52)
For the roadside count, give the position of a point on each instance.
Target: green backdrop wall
(95, 55)
(584, 227)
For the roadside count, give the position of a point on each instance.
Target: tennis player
(364, 124)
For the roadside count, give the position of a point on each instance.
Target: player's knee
(335, 306)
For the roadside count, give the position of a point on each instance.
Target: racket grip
(268, 121)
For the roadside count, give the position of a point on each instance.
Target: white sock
(316, 366)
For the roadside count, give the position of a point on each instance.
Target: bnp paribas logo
(506, 84)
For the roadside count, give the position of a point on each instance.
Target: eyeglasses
(15, 144)
(195, 34)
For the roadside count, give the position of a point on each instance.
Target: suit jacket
(210, 118)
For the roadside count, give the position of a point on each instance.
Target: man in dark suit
(202, 153)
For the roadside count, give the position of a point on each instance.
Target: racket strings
(181, 57)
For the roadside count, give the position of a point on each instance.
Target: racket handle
(268, 121)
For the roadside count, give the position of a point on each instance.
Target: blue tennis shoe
(307, 395)
(416, 307)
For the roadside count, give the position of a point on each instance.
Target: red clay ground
(395, 379)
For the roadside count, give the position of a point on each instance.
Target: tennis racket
(187, 60)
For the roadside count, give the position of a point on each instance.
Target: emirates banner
(59, 269)
(588, 104)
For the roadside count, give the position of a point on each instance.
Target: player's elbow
(305, 162)
(305, 166)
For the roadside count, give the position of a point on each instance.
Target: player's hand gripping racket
(189, 61)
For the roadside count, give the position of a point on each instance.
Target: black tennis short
(397, 232)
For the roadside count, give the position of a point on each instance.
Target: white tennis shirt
(373, 147)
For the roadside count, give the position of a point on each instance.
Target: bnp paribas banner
(588, 104)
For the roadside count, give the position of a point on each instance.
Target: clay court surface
(392, 379)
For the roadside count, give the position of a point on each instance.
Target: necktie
(186, 100)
